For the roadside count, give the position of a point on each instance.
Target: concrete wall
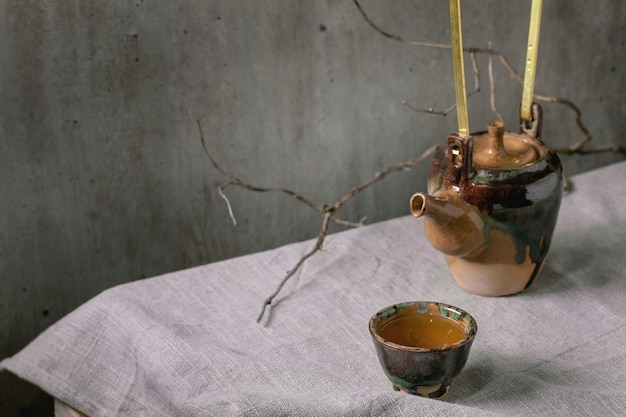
(103, 179)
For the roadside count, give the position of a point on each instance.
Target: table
(187, 343)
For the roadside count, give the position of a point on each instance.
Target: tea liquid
(422, 330)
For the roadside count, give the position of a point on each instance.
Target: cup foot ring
(436, 392)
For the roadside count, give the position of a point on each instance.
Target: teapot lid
(500, 149)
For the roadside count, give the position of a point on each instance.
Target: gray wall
(103, 179)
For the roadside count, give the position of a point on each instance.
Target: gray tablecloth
(187, 343)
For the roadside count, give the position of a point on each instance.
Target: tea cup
(423, 345)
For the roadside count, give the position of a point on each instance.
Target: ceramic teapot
(492, 205)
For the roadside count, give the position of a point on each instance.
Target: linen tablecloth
(187, 343)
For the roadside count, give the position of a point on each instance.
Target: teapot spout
(452, 226)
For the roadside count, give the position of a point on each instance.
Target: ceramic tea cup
(423, 345)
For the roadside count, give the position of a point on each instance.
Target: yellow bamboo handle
(459, 71)
(531, 60)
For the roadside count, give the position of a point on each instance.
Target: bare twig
(220, 190)
(578, 117)
(317, 247)
(492, 87)
(610, 147)
(403, 166)
(329, 211)
(445, 112)
(396, 37)
(333, 209)
(476, 72)
(233, 180)
(430, 110)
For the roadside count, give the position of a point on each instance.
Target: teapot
(492, 206)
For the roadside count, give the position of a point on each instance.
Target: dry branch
(444, 113)
(328, 210)
(234, 180)
(334, 208)
(492, 88)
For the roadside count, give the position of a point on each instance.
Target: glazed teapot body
(492, 217)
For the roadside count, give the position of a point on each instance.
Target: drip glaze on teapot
(491, 208)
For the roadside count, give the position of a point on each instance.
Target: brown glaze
(495, 150)
(423, 345)
(492, 208)
(451, 225)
